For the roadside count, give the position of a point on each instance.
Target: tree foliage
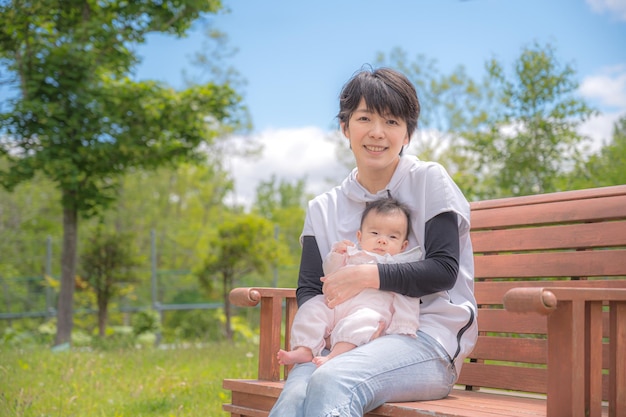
(182, 205)
(605, 167)
(244, 244)
(531, 135)
(107, 263)
(81, 121)
(27, 219)
(283, 204)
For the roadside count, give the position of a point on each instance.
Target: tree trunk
(102, 315)
(227, 283)
(65, 309)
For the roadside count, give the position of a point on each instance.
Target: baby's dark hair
(385, 91)
(388, 205)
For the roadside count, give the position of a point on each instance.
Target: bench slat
(521, 350)
(476, 403)
(557, 264)
(584, 235)
(593, 209)
(504, 377)
(528, 200)
(509, 349)
(465, 404)
(503, 321)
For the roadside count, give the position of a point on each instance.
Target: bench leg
(617, 360)
(566, 390)
(593, 358)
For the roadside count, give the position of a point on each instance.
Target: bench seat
(259, 396)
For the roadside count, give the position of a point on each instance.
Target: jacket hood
(356, 192)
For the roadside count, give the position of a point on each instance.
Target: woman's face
(376, 140)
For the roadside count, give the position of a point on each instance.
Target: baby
(382, 238)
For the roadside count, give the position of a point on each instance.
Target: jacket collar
(356, 192)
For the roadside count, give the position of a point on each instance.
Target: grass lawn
(125, 383)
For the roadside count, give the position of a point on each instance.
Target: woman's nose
(377, 130)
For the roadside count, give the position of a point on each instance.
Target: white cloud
(614, 7)
(600, 129)
(608, 87)
(606, 90)
(289, 155)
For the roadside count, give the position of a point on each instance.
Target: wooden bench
(550, 282)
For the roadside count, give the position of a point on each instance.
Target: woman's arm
(309, 284)
(438, 271)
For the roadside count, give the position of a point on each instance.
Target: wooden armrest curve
(244, 297)
(530, 300)
(251, 296)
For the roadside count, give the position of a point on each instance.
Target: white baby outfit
(357, 319)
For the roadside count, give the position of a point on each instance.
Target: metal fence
(160, 290)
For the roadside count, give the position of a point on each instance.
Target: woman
(378, 114)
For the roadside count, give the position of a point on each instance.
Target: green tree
(284, 203)
(605, 167)
(530, 134)
(107, 262)
(243, 245)
(80, 120)
(179, 204)
(28, 216)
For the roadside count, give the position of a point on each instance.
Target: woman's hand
(348, 282)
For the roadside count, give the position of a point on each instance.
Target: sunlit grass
(148, 382)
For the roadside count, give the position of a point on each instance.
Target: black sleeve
(309, 284)
(438, 271)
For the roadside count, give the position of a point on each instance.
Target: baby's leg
(405, 318)
(360, 326)
(338, 349)
(310, 327)
(300, 354)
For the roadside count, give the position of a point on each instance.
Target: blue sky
(297, 55)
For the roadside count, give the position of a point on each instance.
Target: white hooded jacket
(427, 189)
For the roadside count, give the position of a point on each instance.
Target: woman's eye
(392, 122)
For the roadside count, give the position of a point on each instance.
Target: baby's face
(383, 233)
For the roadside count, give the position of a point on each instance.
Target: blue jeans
(391, 368)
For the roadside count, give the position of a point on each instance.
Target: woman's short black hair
(385, 91)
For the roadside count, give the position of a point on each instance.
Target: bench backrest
(568, 239)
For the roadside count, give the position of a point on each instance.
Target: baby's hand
(342, 247)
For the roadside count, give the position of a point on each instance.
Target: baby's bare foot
(294, 356)
(320, 360)
(284, 358)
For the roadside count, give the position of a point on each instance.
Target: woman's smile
(372, 148)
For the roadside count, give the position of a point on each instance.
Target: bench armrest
(530, 300)
(575, 339)
(251, 296)
(277, 305)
